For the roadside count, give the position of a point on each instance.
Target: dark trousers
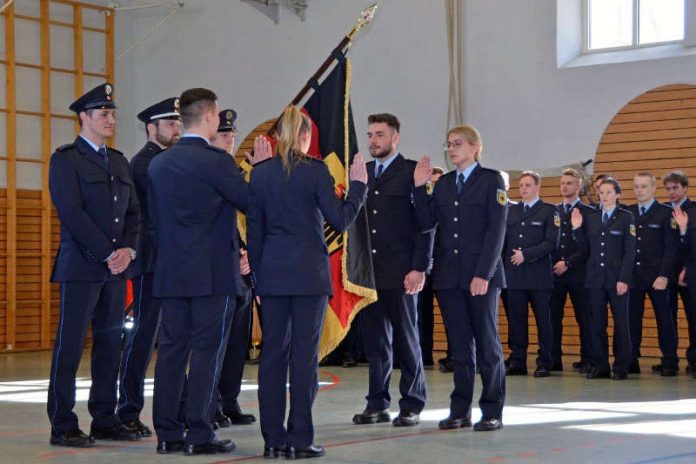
(666, 327)
(518, 322)
(599, 322)
(390, 325)
(137, 350)
(82, 303)
(472, 324)
(426, 321)
(235, 356)
(688, 296)
(193, 333)
(291, 335)
(578, 297)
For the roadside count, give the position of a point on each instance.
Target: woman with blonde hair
(290, 197)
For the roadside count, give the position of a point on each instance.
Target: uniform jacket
(397, 244)
(145, 263)
(536, 233)
(98, 211)
(568, 251)
(471, 228)
(285, 224)
(611, 248)
(194, 193)
(683, 253)
(657, 239)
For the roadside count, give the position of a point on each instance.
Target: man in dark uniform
(401, 256)
(96, 202)
(656, 252)
(194, 192)
(609, 236)
(469, 206)
(531, 237)
(228, 411)
(163, 126)
(569, 276)
(677, 184)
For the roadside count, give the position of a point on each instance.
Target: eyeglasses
(455, 143)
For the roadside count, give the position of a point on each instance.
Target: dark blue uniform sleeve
(629, 250)
(64, 185)
(496, 217)
(423, 251)
(426, 208)
(230, 182)
(131, 225)
(579, 256)
(256, 223)
(153, 216)
(670, 244)
(339, 213)
(552, 231)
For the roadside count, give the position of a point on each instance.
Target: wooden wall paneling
(45, 290)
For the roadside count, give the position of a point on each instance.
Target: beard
(166, 141)
(380, 154)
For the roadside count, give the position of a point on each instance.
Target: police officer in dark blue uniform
(656, 250)
(469, 205)
(569, 276)
(96, 202)
(400, 256)
(290, 196)
(677, 184)
(532, 235)
(163, 126)
(609, 236)
(194, 192)
(228, 410)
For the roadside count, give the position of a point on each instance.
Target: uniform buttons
(565, 222)
(112, 177)
(376, 192)
(456, 235)
(602, 233)
(456, 219)
(115, 198)
(374, 231)
(562, 246)
(601, 254)
(374, 252)
(640, 238)
(601, 264)
(374, 211)
(456, 252)
(638, 263)
(456, 203)
(602, 243)
(640, 227)
(637, 251)
(115, 219)
(521, 235)
(113, 240)
(563, 234)
(523, 223)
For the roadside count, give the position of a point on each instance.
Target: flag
(334, 142)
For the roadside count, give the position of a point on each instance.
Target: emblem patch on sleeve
(502, 197)
(632, 230)
(556, 220)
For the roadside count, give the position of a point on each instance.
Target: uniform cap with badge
(100, 97)
(227, 120)
(166, 109)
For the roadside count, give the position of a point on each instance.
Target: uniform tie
(104, 153)
(380, 169)
(642, 210)
(568, 206)
(460, 182)
(527, 208)
(605, 218)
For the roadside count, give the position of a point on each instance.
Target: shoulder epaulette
(66, 147)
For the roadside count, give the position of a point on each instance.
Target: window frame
(586, 50)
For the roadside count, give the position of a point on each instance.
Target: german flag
(334, 142)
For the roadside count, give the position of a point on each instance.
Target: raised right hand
(423, 171)
(576, 218)
(358, 170)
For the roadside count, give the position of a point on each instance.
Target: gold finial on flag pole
(366, 17)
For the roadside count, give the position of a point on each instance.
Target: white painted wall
(530, 113)
(256, 66)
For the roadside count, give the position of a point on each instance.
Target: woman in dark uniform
(290, 197)
(469, 204)
(609, 236)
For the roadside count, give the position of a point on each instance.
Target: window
(620, 24)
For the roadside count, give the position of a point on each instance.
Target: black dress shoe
(272, 452)
(691, 368)
(597, 373)
(73, 438)
(312, 451)
(516, 370)
(634, 368)
(452, 423)
(406, 419)
(445, 365)
(371, 417)
(585, 369)
(618, 375)
(577, 365)
(348, 361)
(542, 372)
(657, 368)
(239, 418)
(139, 427)
(488, 425)
(668, 371)
(167, 447)
(213, 447)
(557, 367)
(221, 420)
(115, 432)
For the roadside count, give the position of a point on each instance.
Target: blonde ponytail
(292, 123)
